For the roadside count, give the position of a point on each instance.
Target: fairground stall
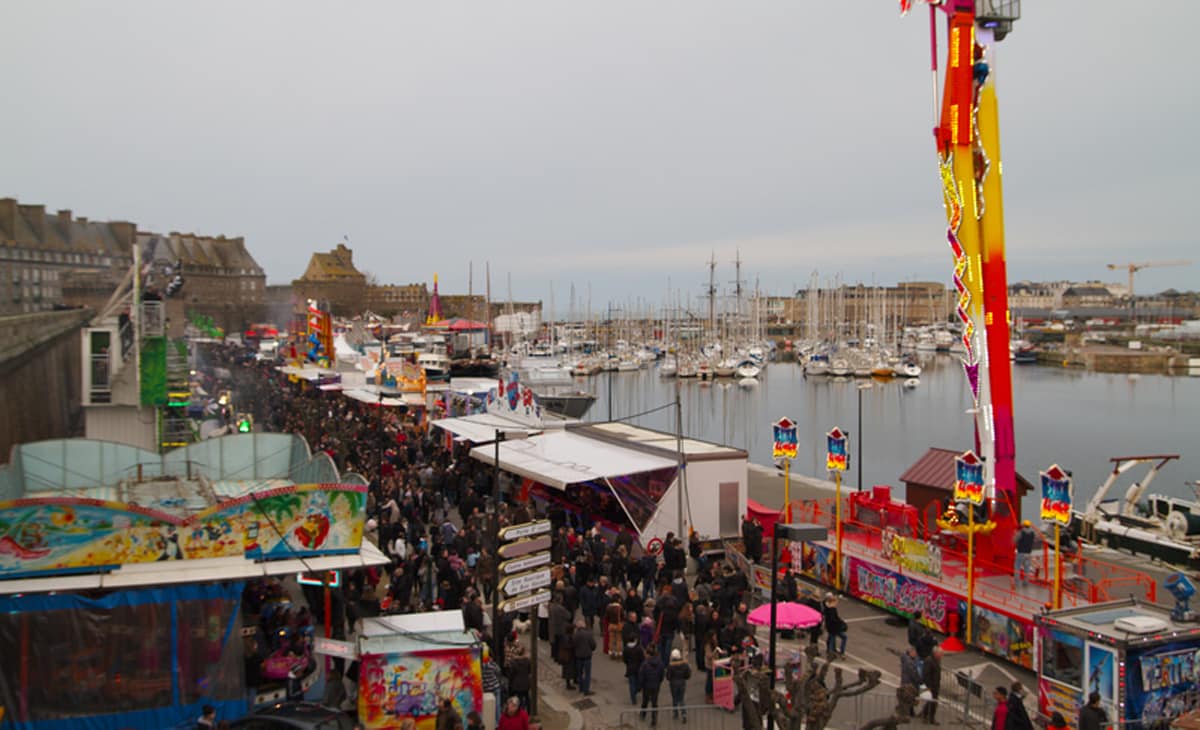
(410, 663)
(904, 561)
(1143, 661)
(614, 476)
(127, 577)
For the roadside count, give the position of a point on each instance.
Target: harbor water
(1074, 418)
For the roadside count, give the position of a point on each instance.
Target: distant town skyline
(616, 145)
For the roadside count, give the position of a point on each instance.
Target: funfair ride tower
(968, 147)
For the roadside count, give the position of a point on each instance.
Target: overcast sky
(617, 144)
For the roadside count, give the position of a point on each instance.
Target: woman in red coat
(514, 717)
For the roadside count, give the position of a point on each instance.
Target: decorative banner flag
(837, 452)
(1056, 496)
(968, 478)
(785, 439)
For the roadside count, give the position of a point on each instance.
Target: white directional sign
(333, 647)
(508, 567)
(520, 604)
(525, 529)
(525, 582)
(525, 547)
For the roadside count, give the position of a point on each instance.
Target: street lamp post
(496, 643)
(796, 532)
(861, 388)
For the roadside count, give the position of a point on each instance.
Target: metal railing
(693, 717)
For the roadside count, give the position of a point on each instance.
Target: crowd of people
(427, 509)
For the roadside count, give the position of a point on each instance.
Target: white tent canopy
(480, 427)
(559, 458)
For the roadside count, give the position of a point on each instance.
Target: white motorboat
(747, 370)
(840, 368)
(669, 367)
(725, 368)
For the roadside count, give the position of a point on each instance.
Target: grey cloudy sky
(612, 143)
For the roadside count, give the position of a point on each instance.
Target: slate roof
(936, 469)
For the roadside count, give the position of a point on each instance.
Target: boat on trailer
(1162, 527)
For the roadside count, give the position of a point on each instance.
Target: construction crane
(1133, 269)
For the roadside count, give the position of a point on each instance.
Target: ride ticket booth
(1143, 661)
(409, 663)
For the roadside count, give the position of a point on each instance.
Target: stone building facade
(41, 253)
(332, 280)
(390, 300)
(221, 280)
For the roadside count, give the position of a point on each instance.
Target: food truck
(1143, 659)
(410, 663)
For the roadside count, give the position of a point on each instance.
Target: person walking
(1017, 718)
(678, 673)
(514, 717)
(1092, 716)
(1025, 540)
(1000, 714)
(910, 671)
(650, 677)
(835, 627)
(931, 677)
(633, 656)
(584, 645)
(519, 673)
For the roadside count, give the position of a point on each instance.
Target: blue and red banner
(1056, 496)
(785, 439)
(837, 450)
(968, 478)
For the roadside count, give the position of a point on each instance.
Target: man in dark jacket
(589, 601)
(678, 673)
(558, 620)
(931, 676)
(584, 643)
(1092, 716)
(1017, 717)
(650, 677)
(518, 673)
(633, 656)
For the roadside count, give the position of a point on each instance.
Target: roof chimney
(36, 216)
(8, 218)
(64, 217)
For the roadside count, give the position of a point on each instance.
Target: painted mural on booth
(1162, 683)
(398, 686)
(1003, 636)
(61, 535)
(899, 593)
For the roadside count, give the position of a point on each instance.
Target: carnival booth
(409, 663)
(122, 572)
(1142, 660)
(614, 476)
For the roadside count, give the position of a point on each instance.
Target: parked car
(295, 716)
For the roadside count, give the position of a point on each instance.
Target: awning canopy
(137, 575)
(559, 458)
(411, 400)
(480, 427)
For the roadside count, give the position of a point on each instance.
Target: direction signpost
(525, 582)
(524, 577)
(529, 562)
(524, 547)
(528, 529)
(524, 602)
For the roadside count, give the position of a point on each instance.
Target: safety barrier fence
(1085, 579)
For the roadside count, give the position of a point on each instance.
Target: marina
(1075, 418)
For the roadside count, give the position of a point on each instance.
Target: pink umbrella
(787, 615)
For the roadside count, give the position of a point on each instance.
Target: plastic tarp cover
(131, 659)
